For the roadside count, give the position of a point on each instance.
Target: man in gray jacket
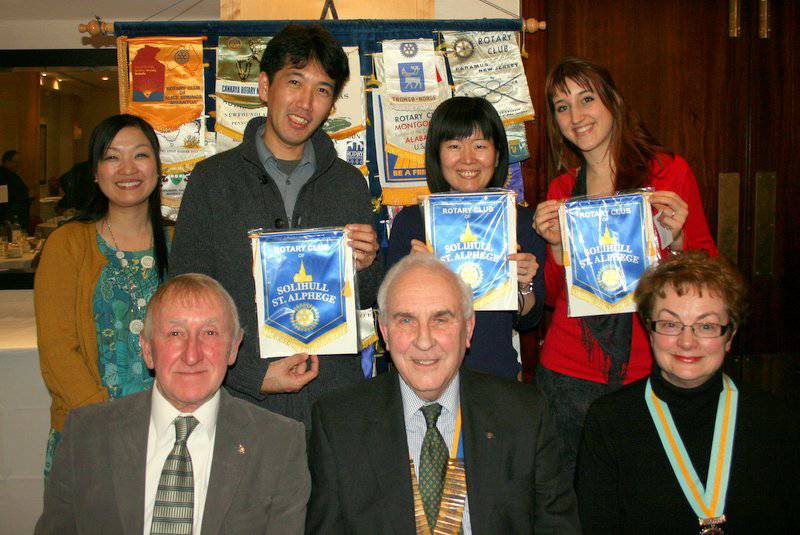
(285, 174)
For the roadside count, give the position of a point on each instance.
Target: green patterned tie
(432, 464)
(174, 508)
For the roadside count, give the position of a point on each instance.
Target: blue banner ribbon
(304, 285)
(608, 245)
(469, 233)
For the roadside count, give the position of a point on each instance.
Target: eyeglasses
(700, 329)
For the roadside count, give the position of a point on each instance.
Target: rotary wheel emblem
(610, 278)
(463, 48)
(471, 273)
(409, 50)
(305, 317)
(181, 56)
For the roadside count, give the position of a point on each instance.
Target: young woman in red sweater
(603, 147)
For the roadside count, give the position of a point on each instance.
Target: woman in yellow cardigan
(97, 274)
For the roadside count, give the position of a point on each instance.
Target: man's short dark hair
(298, 44)
(7, 155)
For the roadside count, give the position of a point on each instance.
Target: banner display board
(473, 233)
(305, 292)
(608, 244)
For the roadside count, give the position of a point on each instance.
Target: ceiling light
(105, 78)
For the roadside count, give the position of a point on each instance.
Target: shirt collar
(412, 403)
(163, 413)
(266, 156)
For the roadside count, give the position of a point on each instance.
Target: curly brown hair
(693, 271)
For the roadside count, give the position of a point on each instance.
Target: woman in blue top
(467, 151)
(97, 274)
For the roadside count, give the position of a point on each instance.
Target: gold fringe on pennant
(123, 76)
(181, 167)
(299, 346)
(233, 134)
(493, 294)
(520, 119)
(608, 308)
(347, 291)
(403, 196)
(347, 132)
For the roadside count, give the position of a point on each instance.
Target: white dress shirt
(161, 440)
(446, 424)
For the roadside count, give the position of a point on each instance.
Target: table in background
(24, 415)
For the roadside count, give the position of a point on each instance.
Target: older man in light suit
(379, 451)
(184, 457)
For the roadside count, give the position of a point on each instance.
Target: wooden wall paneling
(534, 169)
(775, 138)
(675, 64)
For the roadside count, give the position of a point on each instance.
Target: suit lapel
(228, 462)
(387, 447)
(484, 442)
(127, 453)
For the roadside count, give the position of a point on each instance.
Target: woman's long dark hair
(459, 118)
(102, 136)
(632, 147)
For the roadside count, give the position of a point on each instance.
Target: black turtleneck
(625, 483)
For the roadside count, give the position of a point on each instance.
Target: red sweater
(563, 351)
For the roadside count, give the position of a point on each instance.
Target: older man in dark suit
(433, 447)
(184, 457)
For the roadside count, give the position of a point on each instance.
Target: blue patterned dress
(121, 295)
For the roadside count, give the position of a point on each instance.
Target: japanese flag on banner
(413, 83)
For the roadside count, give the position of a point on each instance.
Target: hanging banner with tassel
(413, 83)
(347, 123)
(489, 65)
(236, 89)
(608, 244)
(166, 88)
(305, 292)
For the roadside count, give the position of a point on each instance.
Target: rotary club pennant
(489, 65)
(305, 292)
(236, 89)
(473, 233)
(347, 122)
(167, 87)
(608, 244)
(413, 83)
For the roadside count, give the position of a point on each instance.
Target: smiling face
(685, 360)
(127, 173)
(468, 164)
(298, 101)
(583, 119)
(425, 330)
(190, 349)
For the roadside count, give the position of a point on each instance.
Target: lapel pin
(489, 435)
(240, 450)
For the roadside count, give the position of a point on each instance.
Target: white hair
(429, 263)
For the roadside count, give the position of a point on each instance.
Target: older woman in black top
(687, 450)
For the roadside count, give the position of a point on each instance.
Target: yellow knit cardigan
(68, 272)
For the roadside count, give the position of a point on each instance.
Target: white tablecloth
(24, 415)
(24, 262)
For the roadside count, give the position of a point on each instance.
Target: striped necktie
(174, 507)
(432, 465)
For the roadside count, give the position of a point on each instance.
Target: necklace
(136, 324)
